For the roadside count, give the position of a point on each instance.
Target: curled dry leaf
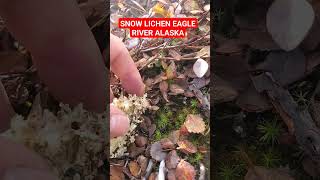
(172, 160)
(195, 124)
(286, 67)
(134, 168)
(171, 175)
(175, 89)
(186, 147)
(222, 90)
(166, 143)
(143, 163)
(116, 173)
(174, 136)
(289, 30)
(252, 101)
(185, 171)
(163, 86)
(171, 71)
(156, 152)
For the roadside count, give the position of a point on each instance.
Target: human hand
(122, 66)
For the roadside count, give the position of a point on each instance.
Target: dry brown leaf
(234, 69)
(166, 143)
(174, 136)
(172, 160)
(175, 89)
(143, 163)
(185, 171)
(286, 67)
(261, 173)
(195, 124)
(252, 101)
(116, 173)
(186, 147)
(134, 168)
(171, 71)
(171, 175)
(231, 46)
(157, 152)
(222, 90)
(163, 86)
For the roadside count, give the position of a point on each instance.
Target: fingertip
(119, 122)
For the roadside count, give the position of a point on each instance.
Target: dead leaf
(312, 40)
(134, 168)
(143, 163)
(258, 39)
(171, 71)
(134, 151)
(157, 152)
(186, 147)
(195, 124)
(310, 167)
(261, 173)
(174, 136)
(252, 101)
(285, 67)
(166, 143)
(234, 69)
(153, 176)
(222, 90)
(116, 173)
(288, 31)
(231, 46)
(163, 86)
(171, 175)
(172, 160)
(175, 54)
(175, 89)
(185, 171)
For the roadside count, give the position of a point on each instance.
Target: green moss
(229, 171)
(196, 158)
(270, 159)
(158, 135)
(270, 131)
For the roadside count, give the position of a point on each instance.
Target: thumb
(27, 174)
(119, 122)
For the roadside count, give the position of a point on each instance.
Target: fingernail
(27, 174)
(119, 125)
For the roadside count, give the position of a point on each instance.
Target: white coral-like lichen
(74, 140)
(71, 141)
(134, 107)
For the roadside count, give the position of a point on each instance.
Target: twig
(183, 59)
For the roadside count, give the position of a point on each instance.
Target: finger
(119, 122)
(15, 155)
(6, 110)
(123, 66)
(111, 95)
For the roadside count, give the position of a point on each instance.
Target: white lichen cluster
(71, 141)
(134, 107)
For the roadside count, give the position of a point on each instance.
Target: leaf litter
(267, 74)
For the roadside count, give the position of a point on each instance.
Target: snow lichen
(71, 141)
(134, 107)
